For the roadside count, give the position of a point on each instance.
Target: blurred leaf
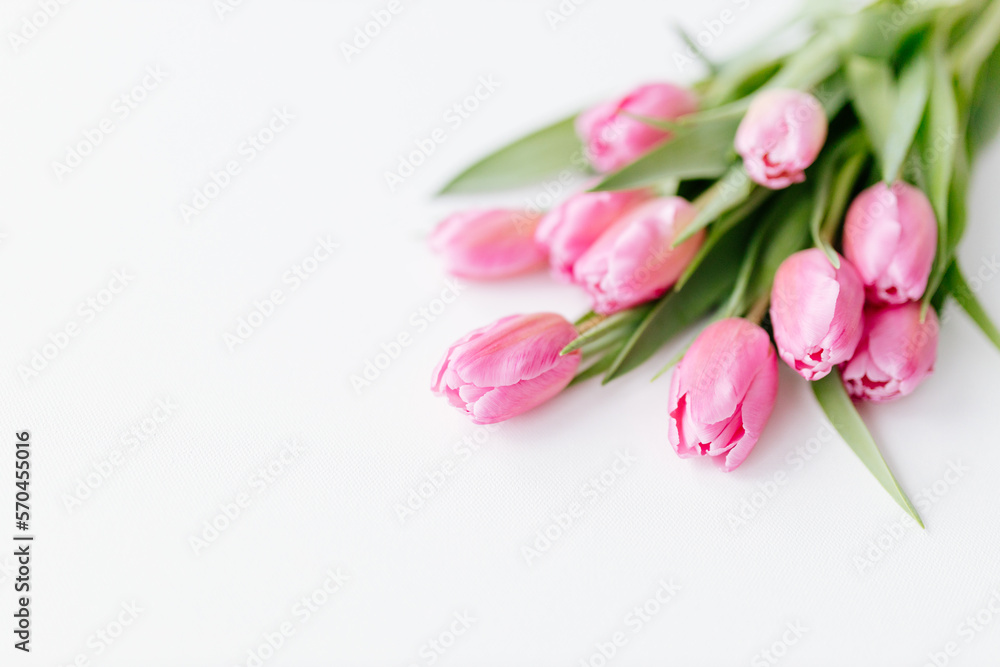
(984, 119)
(958, 192)
(586, 317)
(817, 60)
(976, 46)
(695, 48)
(739, 79)
(527, 160)
(881, 28)
(939, 139)
(873, 96)
(725, 194)
(833, 398)
(677, 310)
(698, 149)
(914, 87)
(958, 287)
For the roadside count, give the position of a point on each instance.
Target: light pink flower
(633, 260)
(569, 229)
(722, 393)
(613, 139)
(508, 367)
(896, 353)
(890, 235)
(780, 135)
(816, 312)
(489, 244)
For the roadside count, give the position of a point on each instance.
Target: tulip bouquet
(803, 205)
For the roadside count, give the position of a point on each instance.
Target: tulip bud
(897, 351)
(890, 235)
(816, 312)
(633, 260)
(780, 135)
(568, 230)
(508, 367)
(489, 244)
(722, 393)
(613, 139)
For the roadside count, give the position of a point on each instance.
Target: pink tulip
(568, 230)
(489, 244)
(722, 393)
(890, 235)
(613, 138)
(780, 135)
(508, 367)
(633, 260)
(896, 353)
(816, 312)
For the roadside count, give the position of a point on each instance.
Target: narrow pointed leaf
(939, 141)
(840, 410)
(527, 160)
(984, 112)
(596, 368)
(721, 228)
(696, 150)
(959, 288)
(837, 175)
(914, 87)
(608, 325)
(873, 96)
(724, 195)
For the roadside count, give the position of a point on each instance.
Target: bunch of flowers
(805, 206)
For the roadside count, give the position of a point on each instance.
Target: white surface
(333, 506)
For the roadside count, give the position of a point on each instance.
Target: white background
(807, 555)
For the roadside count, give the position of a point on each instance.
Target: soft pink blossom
(780, 135)
(896, 353)
(634, 261)
(613, 139)
(722, 393)
(508, 367)
(488, 244)
(816, 312)
(569, 229)
(890, 235)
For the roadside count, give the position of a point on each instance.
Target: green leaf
(738, 79)
(977, 45)
(527, 160)
(873, 96)
(698, 149)
(958, 287)
(807, 67)
(721, 228)
(939, 137)
(725, 194)
(837, 174)
(597, 367)
(840, 410)
(786, 227)
(695, 48)
(914, 87)
(608, 325)
(984, 111)
(677, 310)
